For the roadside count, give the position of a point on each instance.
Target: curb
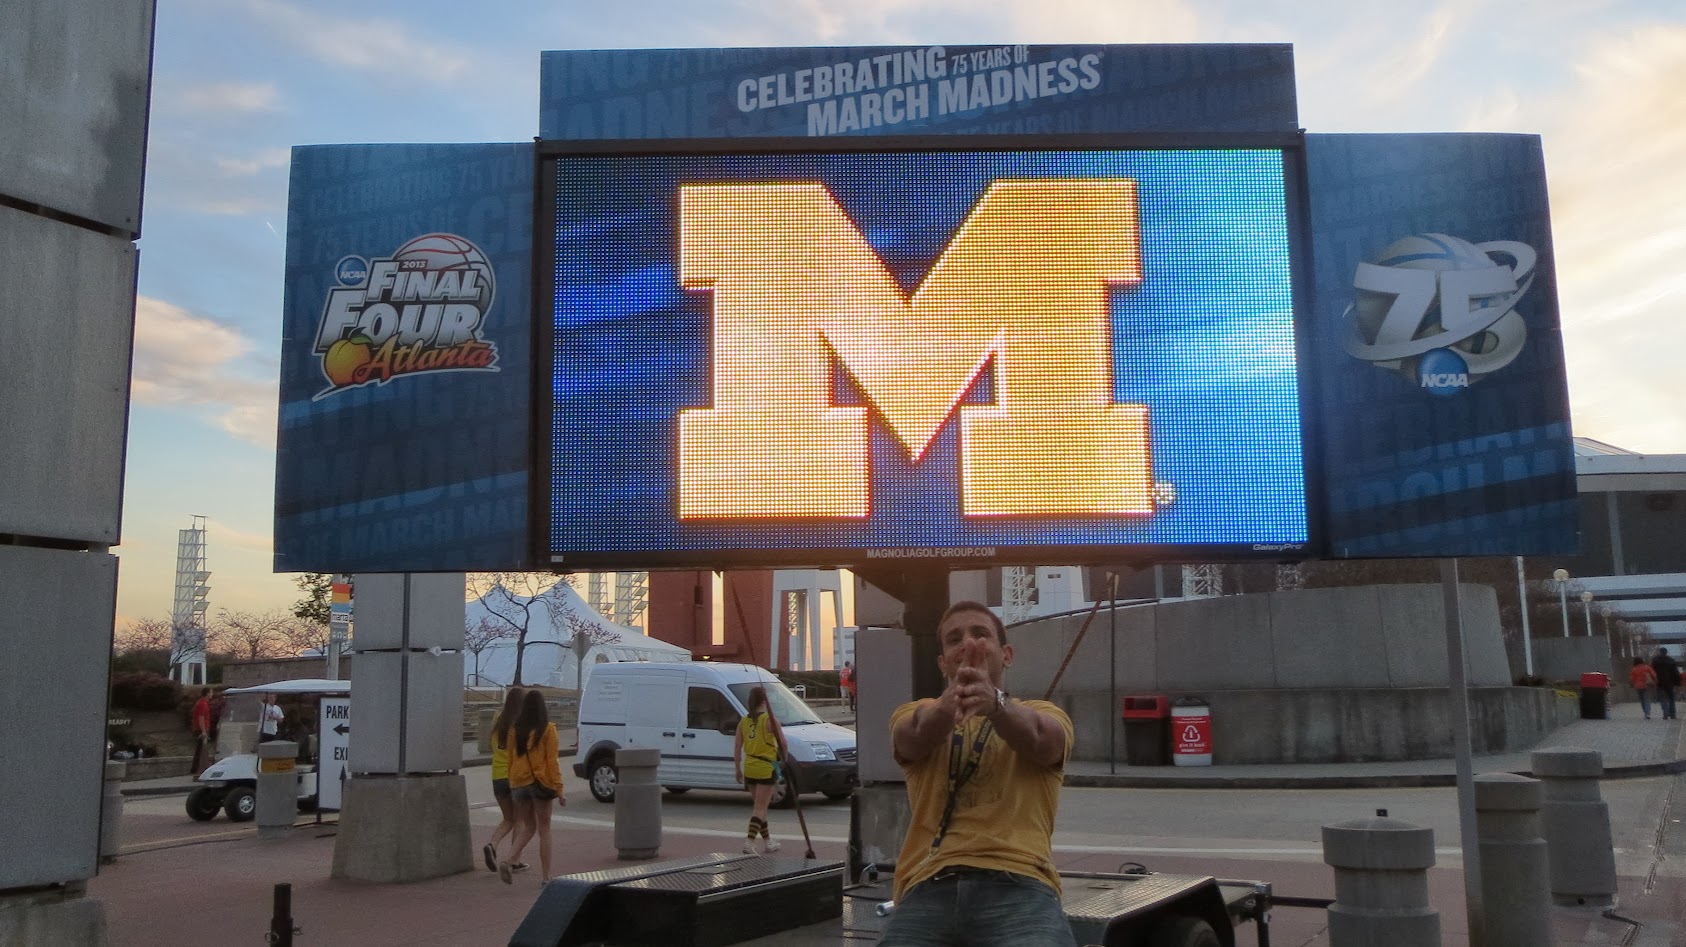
(1378, 781)
(182, 789)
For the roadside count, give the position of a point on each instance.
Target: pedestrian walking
(269, 720)
(535, 780)
(983, 783)
(1644, 680)
(201, 723)
(847, 678)
(501, 738)
(756, 752)
(1668, 679)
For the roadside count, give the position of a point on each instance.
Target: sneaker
(504, 873)
(772, 845)
(749, 847)
(518, 866)
(491, 855)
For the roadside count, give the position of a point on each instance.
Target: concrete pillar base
(403, 828)
(50, 919)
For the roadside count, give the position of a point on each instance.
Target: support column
(405, 810)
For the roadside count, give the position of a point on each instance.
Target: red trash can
(1595, 696)
(1191, 732)
(1147, 735)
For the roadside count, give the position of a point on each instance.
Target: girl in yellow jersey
(501, 725)
(757, 751)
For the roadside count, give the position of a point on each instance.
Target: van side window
(708, 709)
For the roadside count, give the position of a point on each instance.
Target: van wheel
(241, 804)
(677, 790)
(1183, 932)
(204, 803)
(839, 796)
(783, 797)
(603, 777)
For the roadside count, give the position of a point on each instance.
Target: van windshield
(788, 709)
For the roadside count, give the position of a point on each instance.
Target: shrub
(144, 690)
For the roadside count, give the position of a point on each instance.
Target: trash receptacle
(1595, 696)
(1147, 734)
(1191, 732)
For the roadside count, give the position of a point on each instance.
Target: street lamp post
(1586, 607)
(1562, 578)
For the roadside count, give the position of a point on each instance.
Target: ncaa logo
(1439, 310)
(352, 271)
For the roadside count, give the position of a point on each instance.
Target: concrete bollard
(1515, 892)
(1576, 825)
(111, 810)
(278, 788)
(1381, 884)
(638, 803)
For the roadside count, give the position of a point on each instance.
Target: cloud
(265, 160)
(375, 44)
(1616, 159)
(191, 362)
(221, 533)
(229, 97)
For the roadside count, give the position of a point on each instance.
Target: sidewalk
(1632, 747)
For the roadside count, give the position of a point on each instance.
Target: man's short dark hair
(971, 606)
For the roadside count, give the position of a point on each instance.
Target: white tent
(549, 659)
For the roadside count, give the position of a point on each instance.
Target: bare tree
(314, 606)
(521, 601)
(251, 635)
(300, 635)
(483, 634)
(144, 634)
(583, 633)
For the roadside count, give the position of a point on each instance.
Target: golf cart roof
(309, 685)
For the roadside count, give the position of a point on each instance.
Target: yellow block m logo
(1024, 282)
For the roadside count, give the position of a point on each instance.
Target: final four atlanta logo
(420, 310)
(1439, 310)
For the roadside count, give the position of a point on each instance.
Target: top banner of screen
(875, 90)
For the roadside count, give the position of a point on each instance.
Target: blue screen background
(1206, 340)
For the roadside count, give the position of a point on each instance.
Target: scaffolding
(1018, 593)
(192, 603)
(632, 597)
(1203, 581)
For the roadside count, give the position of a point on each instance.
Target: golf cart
(230, 784)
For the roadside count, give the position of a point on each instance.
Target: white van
(691, 712)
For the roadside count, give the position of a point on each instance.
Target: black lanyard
(961, 767)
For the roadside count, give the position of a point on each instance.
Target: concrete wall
(1315, 675)
(1565, 659)
(1337, 725)
(1359, 637)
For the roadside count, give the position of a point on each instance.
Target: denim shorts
(532, 791)
(500, 789)
(980, 908)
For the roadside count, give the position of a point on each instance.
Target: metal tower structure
(597, 594)
(1018, 593)
(1203, 581)
(632, 596)
(192, 601)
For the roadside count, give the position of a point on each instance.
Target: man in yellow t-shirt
(983, 782)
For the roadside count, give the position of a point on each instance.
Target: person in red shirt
(847, 678)
(1644, 681)
(201, 724)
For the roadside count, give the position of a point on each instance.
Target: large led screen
(850, 356)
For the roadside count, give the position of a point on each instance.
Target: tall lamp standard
(1586, 606)
(1562, 578)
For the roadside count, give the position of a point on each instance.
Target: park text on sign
(1024, 284)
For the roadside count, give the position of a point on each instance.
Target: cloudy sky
(237, 82)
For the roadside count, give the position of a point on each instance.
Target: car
(690, 711)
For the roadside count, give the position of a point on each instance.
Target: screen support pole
(923, 591)
(1457, 695)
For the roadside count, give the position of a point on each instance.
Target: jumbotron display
(831, 358)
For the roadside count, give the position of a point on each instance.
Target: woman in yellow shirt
(500, 774)
(758, 749)
(535, 779)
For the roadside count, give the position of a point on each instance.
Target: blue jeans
(1665, 697)
(1644, 700)
(979, 909)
